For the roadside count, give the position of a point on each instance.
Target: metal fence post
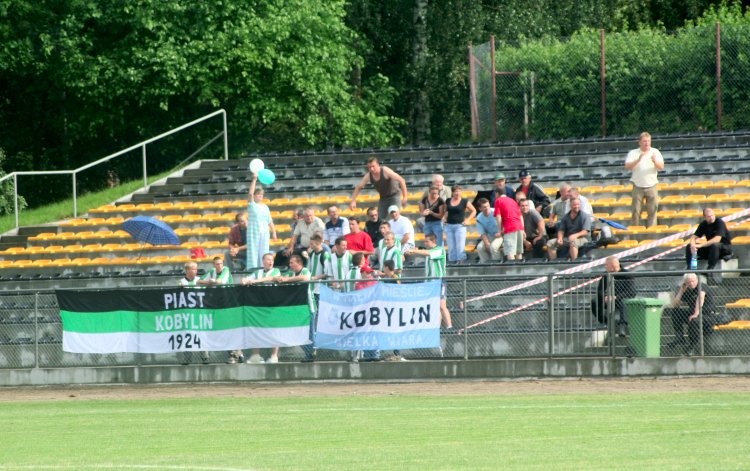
(145, 172)
(36, 330)
(75, 196)
(603, 74)
(718, 77)
(550, 315)
(466, 322)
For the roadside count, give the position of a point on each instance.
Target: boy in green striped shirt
(339, 267)
(298, 273)
(218, 275)
(267, 274)
(392, 251)
(435, 268)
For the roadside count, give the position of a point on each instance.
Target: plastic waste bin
(644, 324)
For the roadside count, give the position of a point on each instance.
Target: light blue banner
(382, 317)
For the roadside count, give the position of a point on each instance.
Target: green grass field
(567, 431)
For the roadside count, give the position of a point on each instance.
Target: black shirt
(717, 228)
(373, 230)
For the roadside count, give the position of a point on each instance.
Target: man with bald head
(711, 240)
(607, 299)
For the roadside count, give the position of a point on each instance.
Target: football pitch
(648, 425)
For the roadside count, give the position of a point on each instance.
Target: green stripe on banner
(186, 319)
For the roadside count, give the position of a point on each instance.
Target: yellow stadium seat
(212, 244)
(107, 208)
(183, 205)
(92, 248)
(624, 244)
(741, 240)
(619, 216)
(44, 236)
(144, 207)
(740, 197)
(585, 190)
(111, 247)
(717, 198)
(42, 262)
(689, 213)
(671, 199)
(603, 202)
(702, 184)
(61, 262)
(15, 250)
(114, 221)
(183, 231)
(172, 218)
(192, 218)
(730, 183)
(164, 206)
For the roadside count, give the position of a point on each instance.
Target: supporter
(710, 241)
(367, 278)
(693, 306)
(335, 226)
(510, 222)
(573, 233)
(432, 209)
(218, 275)
(443, 191)
(339, 266)
(586, 207)
(265, 275)
(456, 219)
(358, 240)
(401, 227)
(385, 228)
(308, 226)
(372, 226)
(390, 273)
(558, 209)
(533, 192)
(237, 251)
(535, 234)
(190, 280)
(501, 188)
(259, 226)
(644, 162)
(490, 246)
(365, 281)
(391, 250)
(390, 186)
(298, 216)
(319, 259)
(624, 289)
(434, 267)
(301, 274)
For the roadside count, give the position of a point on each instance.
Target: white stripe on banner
(384, 316)
(185, 341)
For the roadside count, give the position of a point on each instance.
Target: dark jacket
(624, 289)
(537, 195)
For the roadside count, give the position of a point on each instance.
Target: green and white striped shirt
(223, 278)
(393, 253)
(317, 265)
(434, 263)
(339, 267)
(381, 248)
(259, 274)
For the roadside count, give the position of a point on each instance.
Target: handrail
(142, 145)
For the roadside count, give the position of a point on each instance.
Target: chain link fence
(493, 317)
(691, 80)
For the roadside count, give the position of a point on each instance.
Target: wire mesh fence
(594, 84)
(580, 315)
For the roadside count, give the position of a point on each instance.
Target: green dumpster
(644, 324)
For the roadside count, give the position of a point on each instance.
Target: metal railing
(552, 319)
(142, 145)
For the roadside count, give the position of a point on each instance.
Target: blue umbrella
(614, 224)
(151, 230)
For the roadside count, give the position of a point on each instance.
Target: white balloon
(256, 165)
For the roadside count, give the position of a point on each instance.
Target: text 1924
(187, 341)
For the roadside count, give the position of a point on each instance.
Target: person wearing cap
(645, 162)
(401, 227)
(533, 192)
(390, 186)
(501, 188)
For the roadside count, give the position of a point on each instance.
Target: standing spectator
(574, 231)
(259, 226)
(335, 226)
(501, 188)
(402, 227)
(390, 186)
(385, 228)
(624, 288)
(697, 300)
(432, 209)
(218, 275)
(190, 280)
(308, 226)
(533, 192)
(357, 240)
(443, 191)
(455, 219)
(237, 252)
(434, 267)
(490, 246)
(265, 275)
(317, 264)
(710, 241)
(300, 274)
(510, 221)
(644, 162)
(297, 216)
(534, 230)
(372, 225)
(339, 266)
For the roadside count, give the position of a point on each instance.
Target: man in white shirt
(644, 162)
(402, 228)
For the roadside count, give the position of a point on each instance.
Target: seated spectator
(432, 209)
(218, 275)
(535, 234)
(624, 288)
(533, 192)
(586, 207)
(301, 274)
(190, 280)
(510, 221)
(574, 231)
(357, 240)
(501, 188)
(237, 253)
(693, 306)
(456, 219)
(306, 228)
(490, 246)
(558, 209)
(401, 227)
(711, 240)
(372, 226)
(335, 226)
